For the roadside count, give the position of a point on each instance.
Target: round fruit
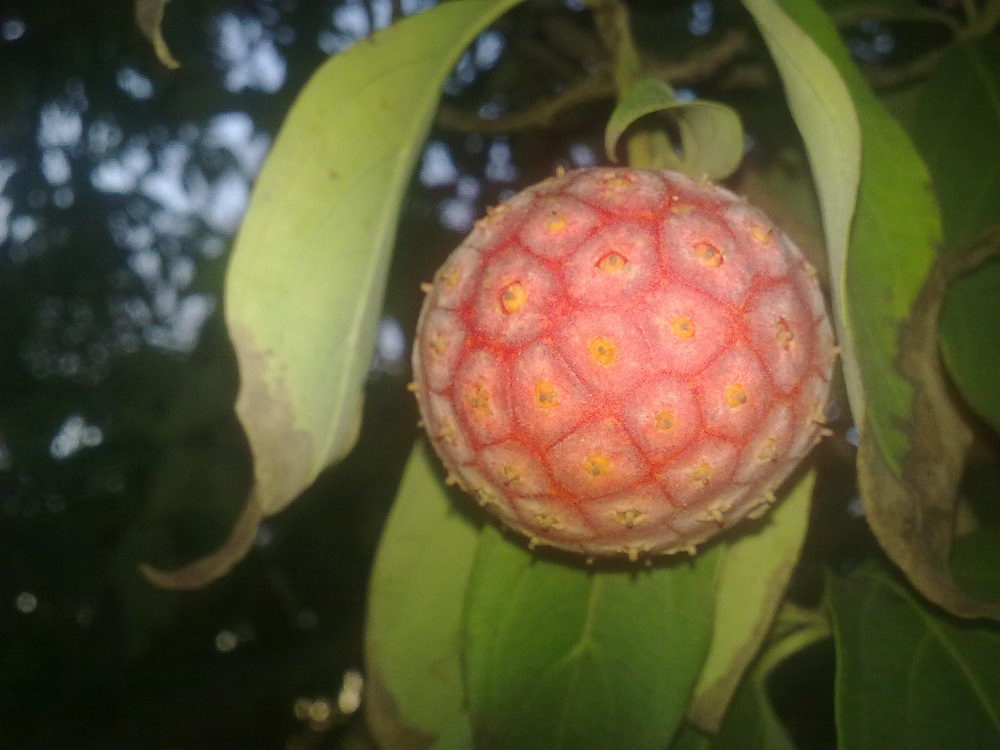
(623, 361)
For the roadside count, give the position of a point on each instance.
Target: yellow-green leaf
(912, 439)
(306, 279)
(754, 573)
(711, 134)
(825, 114)
(415, 604)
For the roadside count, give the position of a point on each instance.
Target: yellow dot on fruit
(487, 497)
(736, 395)
(709, 255)
(510, 474)
(761, 234)
(602, 350)
(681, 209)
(513, 297)
(617, 181)
(556, 222)
(664, 420)
(545, 394)
(783, 334)
(450, 276)
(547, 522)
(447, 433)
(682, 327)
(701, 474)
(769, 451)
(596, 465)
(437, 344)
(479, 399)
(611, 262)
(629, 517)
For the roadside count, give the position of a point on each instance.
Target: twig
(597, 87)
(540, 115)
(897, 75)
(857, 13)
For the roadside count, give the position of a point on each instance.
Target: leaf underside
(413, 629)
(913, 441)
(754, 573)
(306, 279)
(711, 134)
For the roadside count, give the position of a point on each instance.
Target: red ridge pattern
(623, 361)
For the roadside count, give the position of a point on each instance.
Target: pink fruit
(623, 361)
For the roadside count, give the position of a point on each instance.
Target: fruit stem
(646, 147)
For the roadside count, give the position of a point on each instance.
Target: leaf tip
(214, 566)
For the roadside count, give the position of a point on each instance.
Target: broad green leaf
(907, 676)
(976, 560)
(415, 602)
(955, 123)
(711, 134)
(913, 516)
(825, 114)
(690, 738)
(752, 721)
(754, 573)
(913, 440)
(560, 657)
(969, 326)
(956, 127)
(306, 278)
(456, 736)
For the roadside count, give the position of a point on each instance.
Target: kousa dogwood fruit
(622, 361)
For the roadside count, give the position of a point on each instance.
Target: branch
(540, 115)
(598, 86)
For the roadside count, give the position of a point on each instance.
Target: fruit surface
(621, 361)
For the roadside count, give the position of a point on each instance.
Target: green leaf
(752, 721)
(306, 279)
(908, 677)
(559, 657)
(824, 111)
(956, 127)
(955, 123)
(887, 295)
(970, 320)
(689, 738)
(456, 736)
(415, 603)
(754, 573)
(711, 134)
(976, 560)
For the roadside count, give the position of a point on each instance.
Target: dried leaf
(149, 19)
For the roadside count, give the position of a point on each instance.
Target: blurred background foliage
(122, 184)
